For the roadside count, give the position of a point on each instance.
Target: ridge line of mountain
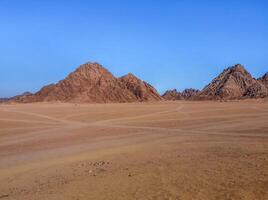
(233, 83)
(92, 83)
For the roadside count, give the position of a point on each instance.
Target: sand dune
(165, 150)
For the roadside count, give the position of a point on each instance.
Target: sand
(165, 150)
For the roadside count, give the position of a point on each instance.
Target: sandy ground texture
(166, 150)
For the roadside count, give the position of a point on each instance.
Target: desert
(133, 100)
(154, 150)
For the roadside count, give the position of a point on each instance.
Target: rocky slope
(187, 94)
(142, 90)
(264, 79)
(21, 96)
(3, 100)
(172, 95)
(92, 83)
(234, 83)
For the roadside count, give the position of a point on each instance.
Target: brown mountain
(25, 94)
(3, 100)
(172, 95)
(90, 83)
(187, 94)
(264, 79)
(234, 83)
(142, 90)
(93, 83)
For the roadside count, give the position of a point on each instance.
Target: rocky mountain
(92, 83)
(172, 95)
(264, 79)
(23, 95)
(234, 83)
(20, 96)
(142, 90)
(4, 100)
(187, 94)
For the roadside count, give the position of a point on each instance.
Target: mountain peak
(264, 79)
(233, 83)
(172, 94)
(187, 94)
(129, 76)
(265, 76)
(90, 66)
(142, 90)
(237, 68)
(93, 83)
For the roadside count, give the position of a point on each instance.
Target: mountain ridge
(234, 82)
(93, 83)
(90, 83)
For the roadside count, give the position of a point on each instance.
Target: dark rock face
(21, 97)
(187, 94)
(233, 83)
(92, 83)
(172, 95)
(2, 100)
(25, 94)
(264, 79)
(89, 83)
(142, 90)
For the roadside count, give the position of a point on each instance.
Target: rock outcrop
(172, 95)
(3, 100)
(190, 94)
(264, 79)
(233, 83)
(142, 90)
(187, 94)
(92, 83)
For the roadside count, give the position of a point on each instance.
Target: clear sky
(168, 43)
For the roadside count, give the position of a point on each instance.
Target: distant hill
(142, 90)
(234, 82)
(92, 83)
(15, 97)
(4, 99)
(187, 94)
(264, 79)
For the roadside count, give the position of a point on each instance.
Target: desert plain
(181, 150)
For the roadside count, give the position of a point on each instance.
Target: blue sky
(170, 44)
